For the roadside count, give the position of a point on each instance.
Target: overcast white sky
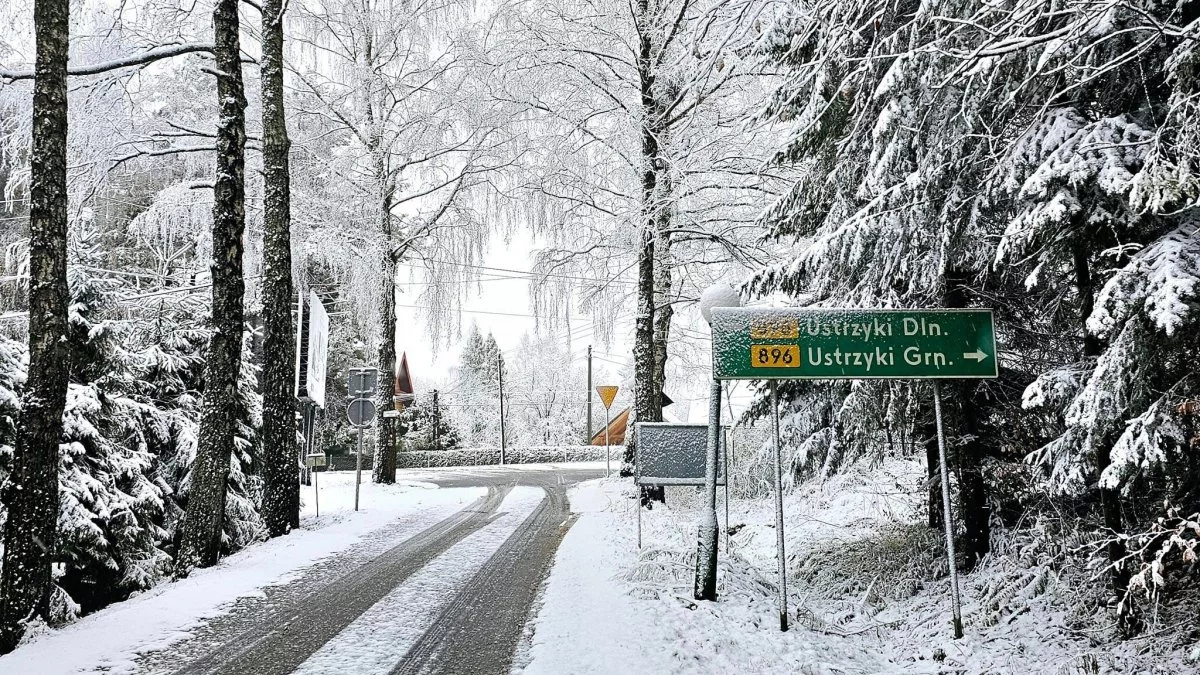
(503, 308)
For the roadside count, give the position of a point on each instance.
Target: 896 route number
(775, 356)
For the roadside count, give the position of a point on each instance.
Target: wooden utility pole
(437, 423)
(588, 440)
(500, 371)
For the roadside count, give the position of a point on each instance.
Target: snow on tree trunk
(646, 396)
(663, 309)
(281, 498)
(202, 526)
(31, 494)
(384, 469)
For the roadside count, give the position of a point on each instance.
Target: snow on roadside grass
(111, 639)
(608, 610)
(868, 592)
(491, 470)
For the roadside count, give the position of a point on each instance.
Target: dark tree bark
(384, 469)
(385, 451)
(663, 309)
(933, 474)
(972, 489)
(646, 393)
(200, 544)
(281, 496)
(31, 495)
(1110, 499)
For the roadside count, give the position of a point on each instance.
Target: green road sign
(796, 344)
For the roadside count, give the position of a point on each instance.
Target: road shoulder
(117, 637)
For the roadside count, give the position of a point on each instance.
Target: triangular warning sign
(402, 390)
(607, 395)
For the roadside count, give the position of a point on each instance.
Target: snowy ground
(381, 636)
(868, 593)
(418, 476)
(111, 639)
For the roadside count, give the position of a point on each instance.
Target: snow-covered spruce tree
(170, 368)
(1104, 187)
(888, 211)
(1062, 132)
(111, 512)
(428, 425)
(476, 402)
(129, 435)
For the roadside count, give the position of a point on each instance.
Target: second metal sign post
(362, 385)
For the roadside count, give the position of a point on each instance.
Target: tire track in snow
(382, 635)
(287, 637)
(480, 628)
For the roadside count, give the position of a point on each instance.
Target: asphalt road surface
(476, 631)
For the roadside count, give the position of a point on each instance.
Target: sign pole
(317, 493)
(947, 518)
(607, 451)
(779, 544)
(589, 396)
(500, 373)
(639, 510)
(728, 477)
(706, 542)
(358, 468)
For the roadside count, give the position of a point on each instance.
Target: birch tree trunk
(201, 541)
(646, 398)
(31, 496)
(281, 496)
(384, 469)
(663, 309)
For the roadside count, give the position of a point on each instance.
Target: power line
(478, 311)
(529, 273)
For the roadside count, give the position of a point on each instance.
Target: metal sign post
(361, 412)
(809, 344)
(311, 461)
(956, 603)
(706, 560)
(608, 394)
(728, 479)
(777, 479)
(674, 454)
(358, 468)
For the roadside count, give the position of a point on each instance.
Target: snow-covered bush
(128, 441)
(1165, 554)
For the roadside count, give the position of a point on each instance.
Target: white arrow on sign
(977, 355)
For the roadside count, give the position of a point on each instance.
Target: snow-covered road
(435, 574)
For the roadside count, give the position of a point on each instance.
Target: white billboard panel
(318, 350)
